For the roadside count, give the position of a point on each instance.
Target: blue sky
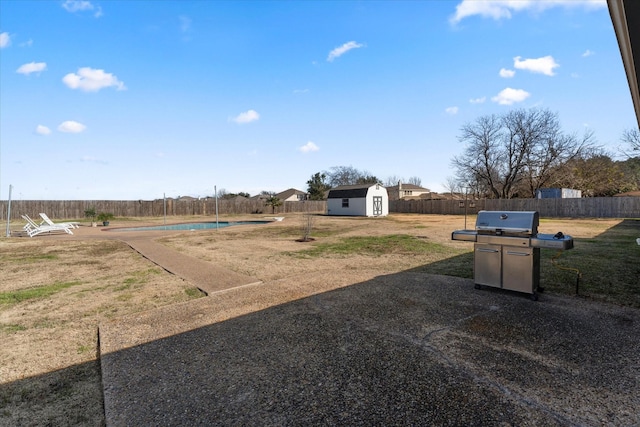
(136, 99)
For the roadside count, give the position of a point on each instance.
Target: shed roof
(349, 191)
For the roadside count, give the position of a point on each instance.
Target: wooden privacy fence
(74, 209)
(594, 207)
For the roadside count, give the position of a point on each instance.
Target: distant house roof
(238, 198)
(290, 192)
(409, 187)
(349, 191)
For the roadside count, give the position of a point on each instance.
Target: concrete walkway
(204, 275)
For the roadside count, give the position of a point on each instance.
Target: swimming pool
(190, 226)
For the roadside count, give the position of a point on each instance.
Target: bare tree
(631, 137)
(342, 175)
(480, 162)
(415, 181)
(452, 184)
(513, 155)
(393, 180)
(348, 175)
(552, 150)
(308, 221)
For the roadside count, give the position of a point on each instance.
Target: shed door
(377, 205)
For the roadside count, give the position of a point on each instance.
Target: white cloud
(503, 9)
(28, 43)
(588, 53)
(507, 74)
(5, 40)
(32, 67)
(543, 65)
(77, 5)
(341, 50)
(246, 117)
(91, 159)
(510, 96)
(451, 110)
(478, 100)
(71, 126)
(92, 80)
(185, 23)
(82, 6)
(42, 130)
(309, 147)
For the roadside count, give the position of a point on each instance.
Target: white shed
(358, 200)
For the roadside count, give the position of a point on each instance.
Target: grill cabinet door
(487, 263)
(519, 269)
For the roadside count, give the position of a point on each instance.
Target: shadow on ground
(408, 348)
(67, 397)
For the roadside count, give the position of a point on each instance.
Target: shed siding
(357, 207)
(360, 201)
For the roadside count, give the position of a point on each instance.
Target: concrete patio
(402, 349)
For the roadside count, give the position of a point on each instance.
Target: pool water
(190, 226)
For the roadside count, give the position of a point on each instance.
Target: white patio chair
(65, 224)
(34, 229)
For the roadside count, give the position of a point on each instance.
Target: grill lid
(508, 222)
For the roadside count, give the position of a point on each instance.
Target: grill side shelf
(464, 235)
(548, 241)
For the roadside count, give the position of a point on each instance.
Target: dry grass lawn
(55, 291)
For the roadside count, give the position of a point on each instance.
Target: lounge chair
(32, 225)
(65, 224)
(33, 229)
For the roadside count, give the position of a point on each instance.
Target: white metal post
(9, 212)
(215, 191)
(465, 208)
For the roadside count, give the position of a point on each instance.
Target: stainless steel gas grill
(507, 250)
